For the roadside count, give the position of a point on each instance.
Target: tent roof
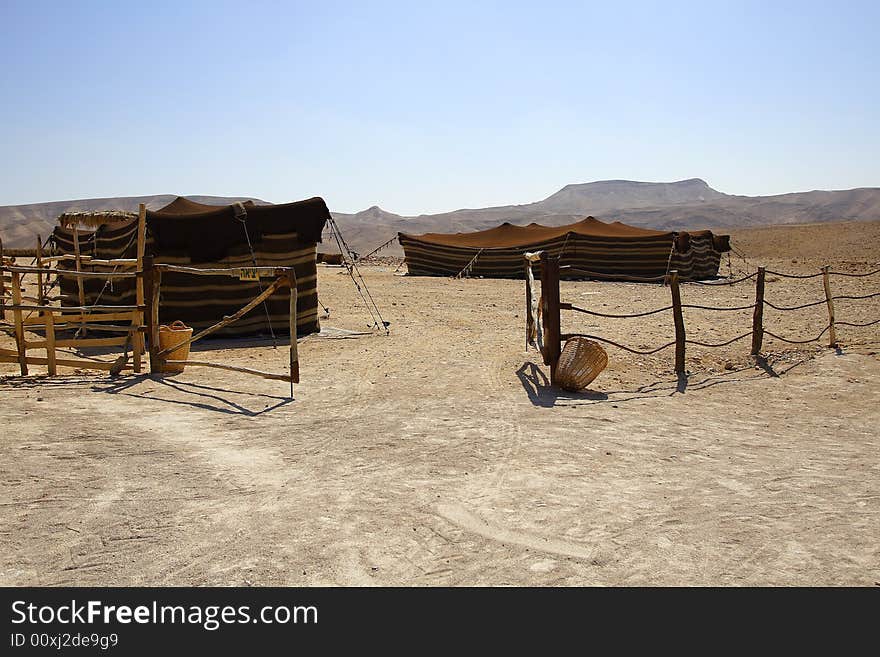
(509, 235)
(95, 218)
(182, 205)
(206, 231)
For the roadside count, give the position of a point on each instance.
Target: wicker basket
(580, 362)
(170, 336)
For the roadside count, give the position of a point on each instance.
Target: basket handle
(178, 325)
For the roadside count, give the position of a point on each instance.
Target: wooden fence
(139, 323)
(49, 319)
(284, 277)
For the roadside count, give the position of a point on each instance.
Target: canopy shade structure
(612, 251)
(193, 234)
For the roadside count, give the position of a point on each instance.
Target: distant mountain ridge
(684, 204)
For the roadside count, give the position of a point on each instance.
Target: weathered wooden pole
(152, 284)
(138, 336)
(294, 353)
(528, 269)
(2, 283)
(551, 319)
(20, 344)
(679, 322)
(829, 300)
(79, 281)
(758, 315)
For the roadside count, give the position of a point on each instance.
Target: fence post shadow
(205, 397)
(542, 392)
(681, 382)
(761, 362)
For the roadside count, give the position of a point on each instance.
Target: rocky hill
(676, 205)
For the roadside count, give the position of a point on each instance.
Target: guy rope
(466, 272)
(360, 284)
(241, 215)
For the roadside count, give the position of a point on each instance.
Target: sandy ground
(439, 454)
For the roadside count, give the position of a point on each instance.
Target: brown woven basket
(580, 362)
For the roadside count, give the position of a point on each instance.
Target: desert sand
(439, 455)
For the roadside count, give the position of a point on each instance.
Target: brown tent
(608, 250)
(188, 233)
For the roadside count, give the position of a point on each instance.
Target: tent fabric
(183, 227)
(281, 235)
(610, 250)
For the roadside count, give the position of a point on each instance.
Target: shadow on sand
(194, 395)
(541, 393)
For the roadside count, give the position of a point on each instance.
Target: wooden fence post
(832, 335)
(679, 322)
(138, 336)
(294, 352)
(153, 319)
(79, 281)
(2, 283)
(20, 343)
(528, 266)
(758, 316)
(39, 262)
(551, 319)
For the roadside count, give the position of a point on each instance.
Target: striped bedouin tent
(587, 249)
(192, 234)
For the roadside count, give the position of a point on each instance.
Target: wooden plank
(63, 362)
(294, 352)
(86, 259)
(276, 284)
(80, 318)
(106, 328)
(231, 368)
(19, 327)
(832, 335)
(72, 273)
(758, 316)
(80, 309)
(138, 318)
(234, 272)
(79, 342)
(679, 322)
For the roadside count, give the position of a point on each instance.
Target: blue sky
(425, 107)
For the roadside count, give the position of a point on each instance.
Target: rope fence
(800, 307)
(550, 308)
(618, 345)
(782, 275)
(816, 339)
(843, 273)
(725, 283)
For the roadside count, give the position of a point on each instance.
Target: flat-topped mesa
(603, 195)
